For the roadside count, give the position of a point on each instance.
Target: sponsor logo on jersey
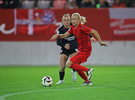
(70, 38)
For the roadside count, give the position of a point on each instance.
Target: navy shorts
(68, 52)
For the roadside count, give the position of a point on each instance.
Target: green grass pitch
(24, 83)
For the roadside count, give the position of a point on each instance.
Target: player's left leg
(63, 60)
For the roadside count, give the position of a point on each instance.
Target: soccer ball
(47, 81)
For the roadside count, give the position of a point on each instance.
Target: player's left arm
(98, 37)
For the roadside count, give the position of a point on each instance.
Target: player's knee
(69, 64)
(62, 68)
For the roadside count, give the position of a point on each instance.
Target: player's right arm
(62, 36)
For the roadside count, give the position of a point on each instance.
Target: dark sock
(73, 70)
(61, 75)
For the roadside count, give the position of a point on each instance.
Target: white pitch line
(7, 95)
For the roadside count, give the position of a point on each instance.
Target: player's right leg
(74, 63)
(63, 60)
(88, 82)
(89, 73)
(74, 77)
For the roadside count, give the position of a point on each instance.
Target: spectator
(88, 4)
(96, 1)
(118, 4)
(1, 2)
(78, 3)
(128, 3)
(71, 5)
(43, 4)
(111, 2)
(28, 4)
(9, 4)
(134, 3)
(19, 4)
(51, 3)
(102, 4)
(59, 4)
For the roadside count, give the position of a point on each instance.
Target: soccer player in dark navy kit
(69, 47)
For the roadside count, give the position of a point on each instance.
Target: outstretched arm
(98, 37)
(62, 36)
(92, 38)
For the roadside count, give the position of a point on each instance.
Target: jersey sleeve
(59, 43)
(59, 30)
(90, 35)
(70, 30)
(86, 29)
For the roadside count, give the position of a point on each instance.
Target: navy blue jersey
(70, 39)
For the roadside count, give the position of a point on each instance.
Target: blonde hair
(83, 19)
(65, 15)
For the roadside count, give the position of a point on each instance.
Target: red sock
(82, 75)
(78, 67)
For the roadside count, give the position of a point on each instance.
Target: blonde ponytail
(83, 20)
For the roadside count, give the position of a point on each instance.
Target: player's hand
(103, 44)
(67, 46)
(54, 37)
(93, 39)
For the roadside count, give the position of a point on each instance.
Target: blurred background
(68, 4)
(26, 27)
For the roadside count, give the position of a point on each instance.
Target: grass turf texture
(24, 83)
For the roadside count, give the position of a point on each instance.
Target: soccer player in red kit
(81, 34)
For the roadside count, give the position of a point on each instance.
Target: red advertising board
(122, 23)
(122, 27)
(41, 24)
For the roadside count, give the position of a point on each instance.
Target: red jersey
(81, 34)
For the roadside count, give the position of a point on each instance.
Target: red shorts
(80, 57)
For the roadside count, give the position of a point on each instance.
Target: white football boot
(87, 83)
(60, 82)
(89, 73)
(74, 78)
